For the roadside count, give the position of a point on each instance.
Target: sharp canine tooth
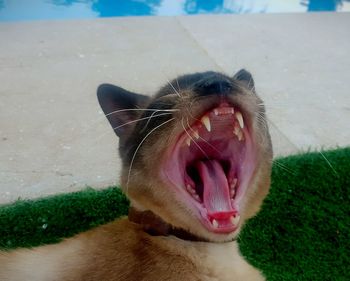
(216, 112)
(188, 141)
(240, 119)
(196, 196)
(215, 223)
(235, 219)
(196, 135)
(206, 121)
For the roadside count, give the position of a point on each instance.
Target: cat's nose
(215, 85)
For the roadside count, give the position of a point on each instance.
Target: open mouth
(211, 165)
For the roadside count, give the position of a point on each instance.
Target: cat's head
(198, 153)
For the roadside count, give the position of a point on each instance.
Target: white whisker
(329, 163)
(171, 85)
(137, 149)
(284, 167)
(202, 138)
(97, 120)
(152, 115)
(144, 118)
(127, 123)
(183, 126)
(141, 109)
(261, 118)
(178, 86)
(189, 111)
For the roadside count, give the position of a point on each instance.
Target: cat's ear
(119, 107)
(246, 78)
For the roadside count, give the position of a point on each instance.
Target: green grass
(302, 232)
(48, 220)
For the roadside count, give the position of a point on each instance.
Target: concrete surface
(54, 137)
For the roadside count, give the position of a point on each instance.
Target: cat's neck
(155, 226)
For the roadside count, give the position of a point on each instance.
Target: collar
(155, 226)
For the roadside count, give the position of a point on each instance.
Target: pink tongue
(216, 196)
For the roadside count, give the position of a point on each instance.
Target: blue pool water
(15, 10)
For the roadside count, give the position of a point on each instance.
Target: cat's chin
(211, 165)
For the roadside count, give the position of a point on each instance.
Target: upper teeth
(240, 119)
(238, 132)
(224, 111)
(238, 124)
(240, 135)
(195, 134)
(206, 121)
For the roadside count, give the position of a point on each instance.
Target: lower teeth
(235, 219)
(215, 223)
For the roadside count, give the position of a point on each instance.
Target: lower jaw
(223, 225)
(229, 229)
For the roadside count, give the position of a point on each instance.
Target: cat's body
(123, 251)
(196, 164)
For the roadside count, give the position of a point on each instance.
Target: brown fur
(122, 250)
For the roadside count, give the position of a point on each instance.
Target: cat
(196, 164)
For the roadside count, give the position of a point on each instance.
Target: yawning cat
(196, 165)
